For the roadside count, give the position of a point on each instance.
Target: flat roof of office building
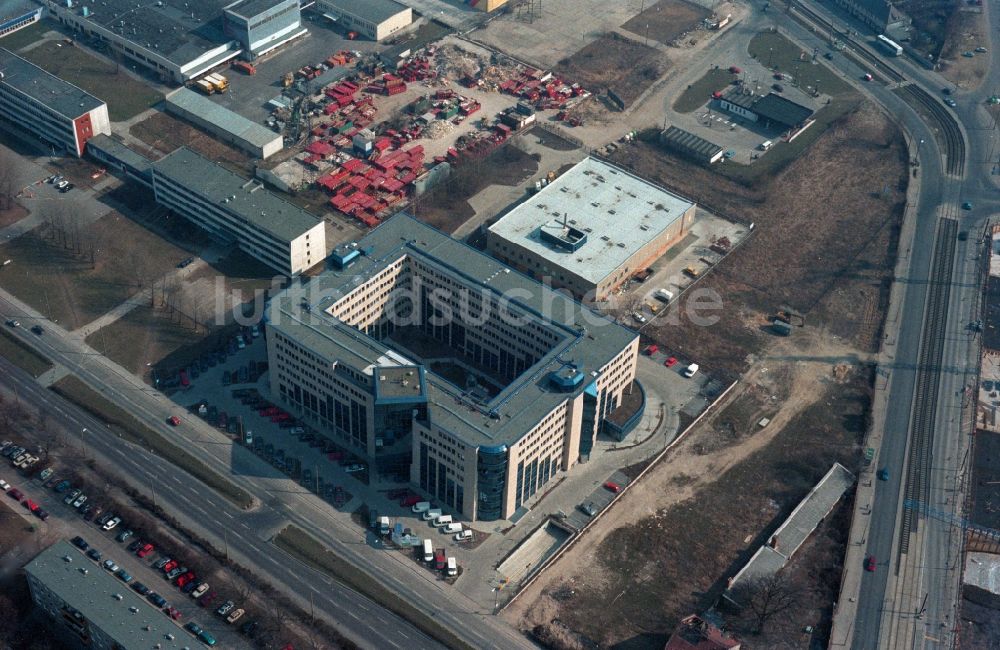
(16, 8)
(220, 116)
(62, 96)
(104, 600)
(120, 151)
(179, 30)
(587, 342)
(617, 211)
(251, 8)
(374, 11)
(248, 198)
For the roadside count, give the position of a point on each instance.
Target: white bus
(892, 47)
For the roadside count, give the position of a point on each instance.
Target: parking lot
(103, 532)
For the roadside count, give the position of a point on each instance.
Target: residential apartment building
(240, 211)
(437, 363)
(48, 107)
(91, 608)
(371, 19)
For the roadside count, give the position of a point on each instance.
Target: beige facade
(372, 19)
(490, 5)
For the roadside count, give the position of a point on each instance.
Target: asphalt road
(282, 502)
(915, 607)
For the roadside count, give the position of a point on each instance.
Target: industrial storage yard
(747, 248)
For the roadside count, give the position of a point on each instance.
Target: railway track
(946, 124)
(925, 398)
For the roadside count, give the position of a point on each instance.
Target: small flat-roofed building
(373, 19)
(690, 145)
(263, 25)
(770, 110)
(591, 229)
(230, 127)
(52, 109)
(121, 158)
(431, 360)
(239, 211)
(18, 14)
(93, 607)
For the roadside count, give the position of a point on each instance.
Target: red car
(170, 566)
(174, 420)
(145, 550)
(184, 579)
(670, 362)
(614, 487)
(410, 500)
(651, 350)
(173, 613)
(870, 563)
(16, 494)
(30, 505)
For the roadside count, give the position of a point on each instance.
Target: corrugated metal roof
(690, 143)
(222, 117)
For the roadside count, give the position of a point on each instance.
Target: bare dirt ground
(966, 32)
(165, 133)
(613, 62)
(12, 215)
(666, 549)
(446, 207)
(824, 244)
(824, 240)
(667, 20)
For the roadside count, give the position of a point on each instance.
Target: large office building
(54, 110)
(94, 608)
(181, 39)
(591, 229)
(372, 19)
(436, 362)
(18, 14)
(239, 211)
(263, 25)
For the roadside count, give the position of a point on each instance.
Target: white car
(638, 317)
(200, 590)
(691, 370)
(114, 521)
(80, 500)
(4, 485)
(464, 535)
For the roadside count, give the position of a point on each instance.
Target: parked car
(189, 587)
(176, 571)
(124, 575)
(80, 500)
(193, 628)
(234, 616)
(168, 566)
(207, 599)
(37, 330)
(614, 487)
(225, 608)
(62, 486)
(185, 578)
(4, 485)
(162, 562)
(124, 535)
(94, 555)
(112, 523)
(670, 362)
(691, 370)
(145, 550)
(156, 599)
(173, 613)
(42, 514)
(80, 543)
(200, 590)
(71, 497)
(140, 588)
(206, 638)
(110, 565)
(15, 494)
(353, 468)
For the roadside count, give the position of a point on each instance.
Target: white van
(664, 295)
(765, 145)
(431, 515)
(450, 529)
(464, 535)
(443, 520)
(422, 506)
(452, 567)
(428, 551)
(691, 370)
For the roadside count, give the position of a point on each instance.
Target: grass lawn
(144, 335)
(24, 37)
(126, 97)
(304, 547)
(61, 283)
(124, 424)
(697, 94)
(21, 355)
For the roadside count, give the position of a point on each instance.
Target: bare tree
(8, 183)
(763, 598)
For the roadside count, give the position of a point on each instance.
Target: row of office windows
(435, 479)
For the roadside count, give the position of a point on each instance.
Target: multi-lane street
(929, 360)
(247, 533)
